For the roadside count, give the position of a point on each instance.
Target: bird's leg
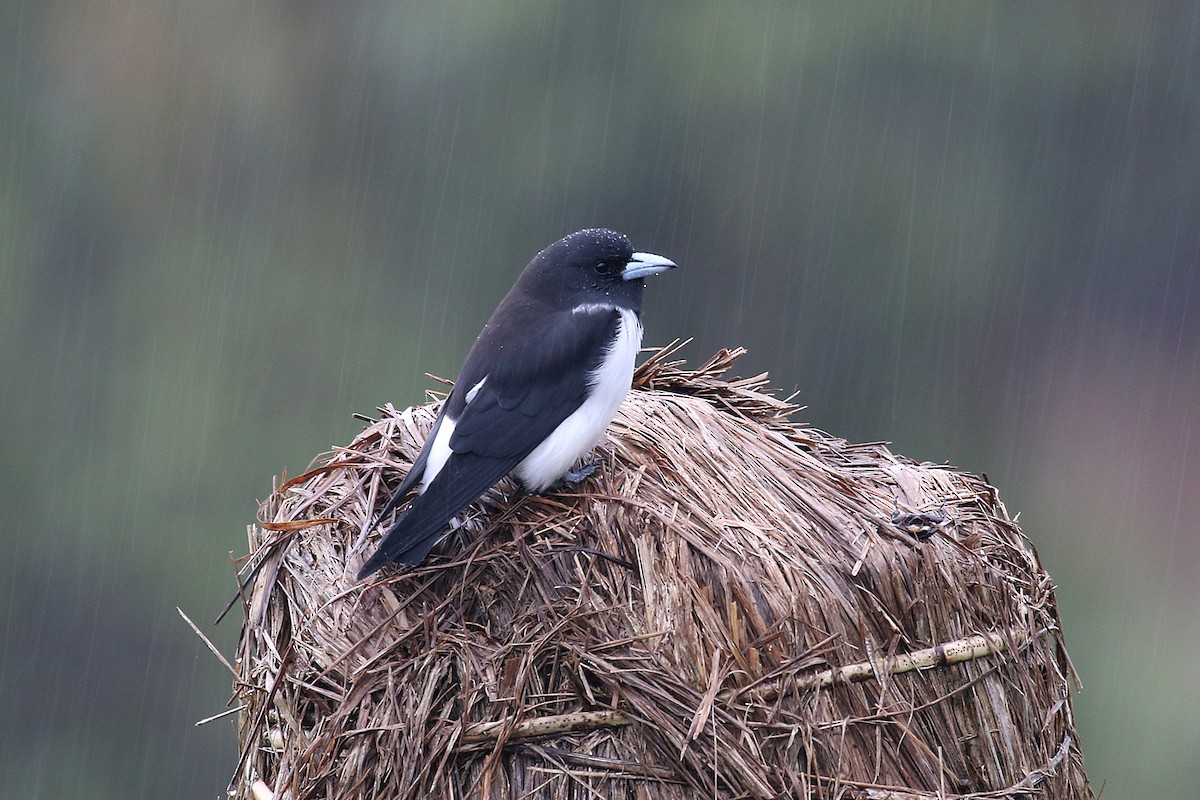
(573, 477)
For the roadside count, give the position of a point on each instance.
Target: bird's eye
(601, 268)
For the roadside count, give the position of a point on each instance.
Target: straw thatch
(733, 606)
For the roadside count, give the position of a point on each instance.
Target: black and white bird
(537, 391)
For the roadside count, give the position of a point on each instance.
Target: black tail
(461, 482)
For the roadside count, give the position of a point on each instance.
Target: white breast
(580, 432)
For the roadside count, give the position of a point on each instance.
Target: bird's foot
(574, 477)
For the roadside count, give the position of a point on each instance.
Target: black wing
(534, 367)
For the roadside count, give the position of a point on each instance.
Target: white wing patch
(439, 448)
(475, 389)
(439, 451)
(580, 432)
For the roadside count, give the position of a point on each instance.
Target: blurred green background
(970, 229)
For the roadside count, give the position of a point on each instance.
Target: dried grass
(728, 609)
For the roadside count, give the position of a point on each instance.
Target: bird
(537, 390)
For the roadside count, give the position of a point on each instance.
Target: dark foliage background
(969, 229)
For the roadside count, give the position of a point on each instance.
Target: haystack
(734, 606)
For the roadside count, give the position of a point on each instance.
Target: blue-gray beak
(645, 264)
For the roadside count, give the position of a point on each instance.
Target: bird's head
(596, 265)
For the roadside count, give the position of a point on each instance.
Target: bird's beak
(645, 264)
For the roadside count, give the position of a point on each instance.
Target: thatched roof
(733, 606)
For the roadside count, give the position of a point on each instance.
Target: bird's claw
(574, 477)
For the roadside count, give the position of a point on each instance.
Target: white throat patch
(593, 308)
